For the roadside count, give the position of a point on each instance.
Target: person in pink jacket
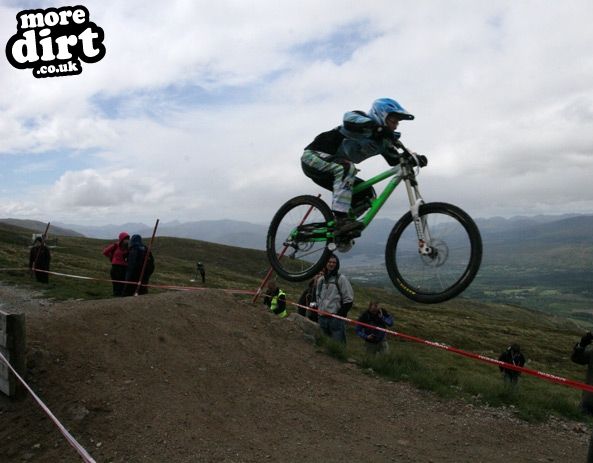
(117, 253)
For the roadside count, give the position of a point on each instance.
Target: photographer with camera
(375, 340)
(512, 355)
(584, 356)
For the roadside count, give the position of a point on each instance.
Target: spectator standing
(582, 355)
(39, 259)
(202, 271)
(307, 299)
(117, 253)
(512, 355)
(136, 255)
(375, 340)
(334, 295)
(275, 299)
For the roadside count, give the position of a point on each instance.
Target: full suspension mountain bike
(432, 254)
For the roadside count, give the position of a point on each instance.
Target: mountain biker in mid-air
(329, 160)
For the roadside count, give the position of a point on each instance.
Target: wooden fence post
(12, 346)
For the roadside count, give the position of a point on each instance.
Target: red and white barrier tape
(538, 374)
(71, 440)
(171, 287)
(194, 288)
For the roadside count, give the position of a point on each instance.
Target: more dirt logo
(54, 41)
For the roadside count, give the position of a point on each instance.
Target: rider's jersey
(352, 141)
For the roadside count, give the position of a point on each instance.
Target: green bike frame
(377, 203)
(399, 172)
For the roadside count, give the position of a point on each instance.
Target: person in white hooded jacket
(334, 295)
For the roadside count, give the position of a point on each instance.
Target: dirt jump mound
(202, 377)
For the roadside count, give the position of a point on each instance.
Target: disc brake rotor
(438, 255)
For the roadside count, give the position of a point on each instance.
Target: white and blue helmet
(383, 107)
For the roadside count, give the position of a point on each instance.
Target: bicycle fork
(422, 231)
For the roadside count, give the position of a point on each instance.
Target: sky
(200, 110)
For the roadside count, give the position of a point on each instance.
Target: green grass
(226, 267)
(333, 348)
(482, 327)
(450, 376)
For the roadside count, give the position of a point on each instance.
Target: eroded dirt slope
(181, 377)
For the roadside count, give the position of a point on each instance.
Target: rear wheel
(297, 238)
(448, 264)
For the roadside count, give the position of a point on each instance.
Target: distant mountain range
(39, 227)
(499, 235)
(543, 231)
(230, 232)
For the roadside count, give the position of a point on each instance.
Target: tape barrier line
(172, 287)
(194, 288)
(106, 280)
(69, 438)
(482, 358)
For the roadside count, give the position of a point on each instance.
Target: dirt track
(205, 377)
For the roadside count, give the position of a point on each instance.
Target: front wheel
(441, 267)
(297, 238)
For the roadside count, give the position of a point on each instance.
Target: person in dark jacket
(275, 299)
(583, 355)
(201, 270)
(375, 340)
(513, 356)
(136, 256)
(329, 160)
(307, 299)
(334, 295)
(39, 258)
(117, 253)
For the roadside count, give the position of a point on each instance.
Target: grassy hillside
(546, 267)
(176, 258)
(39, 227)
(484, 328)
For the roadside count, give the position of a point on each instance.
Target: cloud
(202, 109)
(119, 188)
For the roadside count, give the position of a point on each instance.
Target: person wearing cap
(39, 259)
(329, 160)
(583, 355)
(117, 253)
(512, 355)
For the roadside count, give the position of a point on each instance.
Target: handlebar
(397, 145)
(405, 155)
